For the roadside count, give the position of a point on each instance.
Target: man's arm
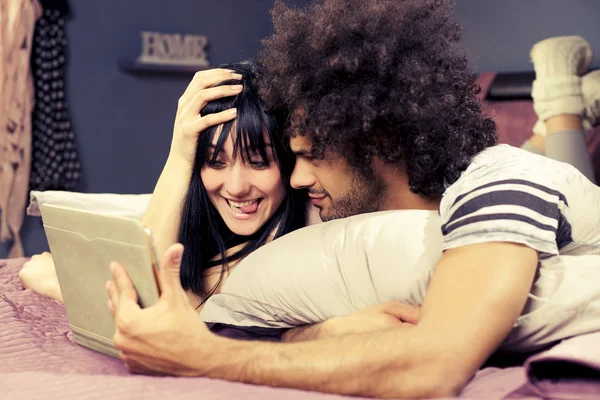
(303, 333)
(475, 295)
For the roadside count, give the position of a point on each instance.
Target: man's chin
(323, 214)
(327, 216)
(333, 213)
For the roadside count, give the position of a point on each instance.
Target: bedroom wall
(499, 34)
(123, 121)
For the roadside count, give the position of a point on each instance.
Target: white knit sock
(558, 62)
(561, 56)
(590, 87)
(539, 128)
(557, 95)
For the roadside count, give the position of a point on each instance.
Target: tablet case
(83, 244)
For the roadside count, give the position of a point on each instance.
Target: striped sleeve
(505, 210)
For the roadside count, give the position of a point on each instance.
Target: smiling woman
(225, 188)
(239, 196)
(243, 184)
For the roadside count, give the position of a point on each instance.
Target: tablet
(83, 244)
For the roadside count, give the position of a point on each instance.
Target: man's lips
(316, 199)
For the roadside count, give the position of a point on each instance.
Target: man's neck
(401, 198)
(398, 195)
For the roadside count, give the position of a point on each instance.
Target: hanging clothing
(55, 162)
(17, 23)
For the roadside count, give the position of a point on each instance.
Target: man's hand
(388, 315)
(39, 275)
(434, 358)
(159, 339)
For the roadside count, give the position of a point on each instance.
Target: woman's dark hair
(378, 78)
(203, 232)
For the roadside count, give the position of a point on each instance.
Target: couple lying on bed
(365, 138)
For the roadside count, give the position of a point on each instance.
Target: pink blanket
(38, 359)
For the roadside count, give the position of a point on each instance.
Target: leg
(560, 100)
(535, 144)
(565, 141)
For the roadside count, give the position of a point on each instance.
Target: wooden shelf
(136, 66)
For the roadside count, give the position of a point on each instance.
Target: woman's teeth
(245, 203)
(237, 207)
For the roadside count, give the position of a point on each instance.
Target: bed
(39, 360)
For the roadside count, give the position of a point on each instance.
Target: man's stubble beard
(363, 196)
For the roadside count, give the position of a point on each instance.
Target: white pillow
(127, 205)
(331, 269)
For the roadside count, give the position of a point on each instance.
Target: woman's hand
(388, 315)
(188, 122)
(39, 275)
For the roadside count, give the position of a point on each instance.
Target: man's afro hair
(378, 77)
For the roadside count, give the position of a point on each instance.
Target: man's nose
(302, 178)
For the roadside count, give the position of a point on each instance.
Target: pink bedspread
(38, 360)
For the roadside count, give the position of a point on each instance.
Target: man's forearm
(389, 364)
(303, 333)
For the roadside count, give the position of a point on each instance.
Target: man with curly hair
(384, 116)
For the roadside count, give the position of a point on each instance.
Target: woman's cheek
(274, 186)
(210, 179)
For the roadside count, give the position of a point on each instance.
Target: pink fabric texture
(39, 360)
(570, 370)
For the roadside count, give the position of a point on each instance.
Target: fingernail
(233, 111)
(176, 257)
(112, 267)
(236, 76)
(237, 88)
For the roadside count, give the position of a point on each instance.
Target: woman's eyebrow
(212, 149)
(267, 147)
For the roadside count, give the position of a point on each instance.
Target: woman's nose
(238, 182)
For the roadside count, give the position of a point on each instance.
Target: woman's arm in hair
(163, 215)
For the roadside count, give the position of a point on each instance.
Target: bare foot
(39, 275)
